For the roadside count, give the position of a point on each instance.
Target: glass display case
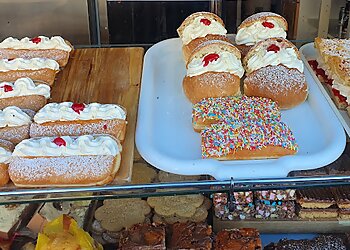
(112, 40)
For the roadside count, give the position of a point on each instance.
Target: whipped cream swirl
(81, 145)
(13, 116)
(285, 56)
(197, 29)
(28, 64)
(257, 32)
(227, 62)
(64, 112)
(55, 42)
(23, 87)
(4, 155)
(343, 90)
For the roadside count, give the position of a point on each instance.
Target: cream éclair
(273, 52)
(259, 27)
(23, 87)
(75, 119)
(68, 146)
(13, 117)
(200, 24)
(40, 42)
(68, 111)
(28, 64)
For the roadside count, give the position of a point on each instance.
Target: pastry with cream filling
(55, 48)
(200, 27)
(214, 70)
(41, 70)
(332, 66)
(15, 123)
(275, 70)
(86, 160)
(259, 27)
(6, 149)
(23, 93)
(74, 119)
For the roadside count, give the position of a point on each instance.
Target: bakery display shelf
(274, 226)
(161, 189)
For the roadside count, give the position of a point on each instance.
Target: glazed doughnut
(214, 70)
(74, 119)
(65, 161)
(55, 48)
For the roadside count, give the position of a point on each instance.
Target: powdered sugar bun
(214, 70)
(285, 86)
(194, 26)
(273, 51)
(65, 161)
(261, 26)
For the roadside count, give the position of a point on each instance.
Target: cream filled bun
(198, 28)
(214, 70)
(275, 71)
(261, 26)
(273, 51)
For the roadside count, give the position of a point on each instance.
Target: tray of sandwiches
(328, 60)
(249, 110)
(67, 115)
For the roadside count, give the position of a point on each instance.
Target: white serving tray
(308, 52)
(165, 138)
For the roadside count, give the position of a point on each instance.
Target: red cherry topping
(340, 96)
(59, 142)
(209, 58)
(268, 25)
(78, 107)
(36, 40)
(313, 64)
(7, 88)
(273, 48)
(205, 21)
(105, 126)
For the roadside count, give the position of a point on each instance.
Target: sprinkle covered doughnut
(213, 110)
(248, 140)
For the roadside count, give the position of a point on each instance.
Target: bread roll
(213, 110)
(75, 119)
(6, 148)
(261, 26)
(23, 93)
(248, 140)
(214, 70)
(38, 69)
(65, 161)
(55, 48)
(14, 124)
(285, 86)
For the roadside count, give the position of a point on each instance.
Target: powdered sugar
(60, 170)
(277, 79)
(258, 16)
